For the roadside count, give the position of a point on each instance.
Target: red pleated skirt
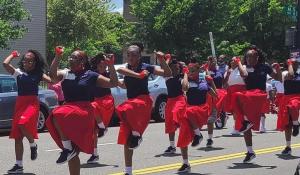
(104, 108)
(77, 122)
(199, 114)
(26, 113)
(291, 103)
(175, 110)
(134, 115)
(230, 99)
(253, 103)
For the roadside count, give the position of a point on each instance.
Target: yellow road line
(175, 166)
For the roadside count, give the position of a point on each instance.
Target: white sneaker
(235, 132)
(262, 130)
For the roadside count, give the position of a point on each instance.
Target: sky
(119, 5)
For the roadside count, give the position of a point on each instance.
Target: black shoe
(246, 126)
(93, 159)
(197, 140)
(66, 155)
(295, 130)
(16, 169)
(126, 174)
(102, 132)
(249, 157)
(184, 168)
(287, 151)
(209, 143)
(135, 142)
(34, 153)
(170, 150)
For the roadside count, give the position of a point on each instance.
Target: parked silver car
(8, 94)
(158, 92)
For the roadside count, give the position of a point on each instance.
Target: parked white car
(158, 92)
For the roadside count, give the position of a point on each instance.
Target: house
(35, 37)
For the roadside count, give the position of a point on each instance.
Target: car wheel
(41, 124)
(160, 105)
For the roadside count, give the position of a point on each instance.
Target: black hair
(39, 62)
(261, 55)
(139, 44)
(82, 56)
(94, 61)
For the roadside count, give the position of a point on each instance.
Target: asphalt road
(225, 158)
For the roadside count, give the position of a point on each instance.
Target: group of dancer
(197, 95)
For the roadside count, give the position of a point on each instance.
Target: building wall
(35, 38)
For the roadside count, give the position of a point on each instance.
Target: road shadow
(287, 157)
(232, 135)
(249, 165)
(267, 132)
(23, 174)
(210, 149)
(168, 155)
(95, 165)
(191, 173)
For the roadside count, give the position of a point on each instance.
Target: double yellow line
(206, 160)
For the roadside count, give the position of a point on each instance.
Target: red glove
(236, 60)
(205, 66)
(276, 66)
(15, 53)
(168, 57)
(290, 62)
(185, 70)
(208, 78)
(111, 59)
(59, 50)
(143, 74)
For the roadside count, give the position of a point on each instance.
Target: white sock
(186, 161)
(19, 162)
(95, 152)
(33, 144)
(210, 136)
(135, 133)
(101, 125)
(172, 144)
(128, 170)
(250, 149)
(197, 132)
(262, 122)
(288, 143)
(295, 122)
(67, 144)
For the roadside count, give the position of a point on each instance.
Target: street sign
(291, 11)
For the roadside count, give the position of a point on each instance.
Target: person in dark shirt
(253, 102)
(135, 113)
(217, 73)
(289, 107)
(104, 101)
(28, 76)
(72, 124)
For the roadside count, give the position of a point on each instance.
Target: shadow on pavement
(249, 165)
(167, 155)
(210, 149)
(190, 173)
(230, 135)
(287, 157)
(95, 165)
(24, 174)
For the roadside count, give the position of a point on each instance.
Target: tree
(182, 26)
(85, 24)
(11, 12)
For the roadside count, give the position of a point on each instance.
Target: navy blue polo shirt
(79, 86)
(218, 76)
(292, 86)
(196, 94)
(137, 86)
(174, 86)
(27, 82)
(257, 76)
(100, 91)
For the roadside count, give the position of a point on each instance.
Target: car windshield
(7, 85)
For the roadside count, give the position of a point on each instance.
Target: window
(8, 85)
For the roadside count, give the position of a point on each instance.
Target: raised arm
(276, 72)
(127, 72)
(291, 72)
(54, 74)
(112, 81)
(6, 63)
(185, 81)
(242, 69)
(165, 70)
